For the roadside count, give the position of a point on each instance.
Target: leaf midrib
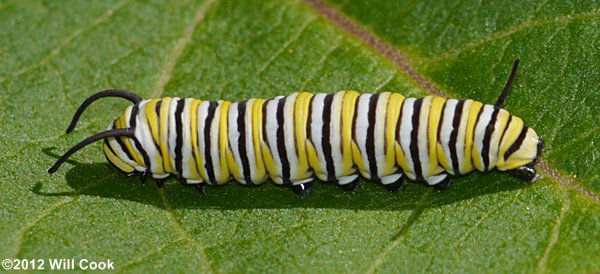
(400, 59)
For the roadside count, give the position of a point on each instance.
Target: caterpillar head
(522, 156)
(113, 137)
(117, 151)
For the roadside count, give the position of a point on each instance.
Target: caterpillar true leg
(352, 186)
(395, 186)
(302, 189)
(200, 188)
(444, 184)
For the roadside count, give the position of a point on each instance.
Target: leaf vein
(285, 45)
(70, 39)
(503, 34)
(414, 216)
(179, 47)
(182, 232)
(555, 233)
(399, 58)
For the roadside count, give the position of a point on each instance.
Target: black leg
(144, 175)
(444, 184)
(200, 188)
(352, 186)
(160, 183)
(302, 189)
(526, 172)
(182, 180)
(395, 186)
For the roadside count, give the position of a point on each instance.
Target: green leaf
(56, 53)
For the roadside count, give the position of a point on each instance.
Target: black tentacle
(508, 84)
(127, 132)
(105, 93)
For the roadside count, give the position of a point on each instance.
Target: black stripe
(354, 118)
(326, 138)
(341, 128)
(309, 121)
(264, 123)
(157, 108)
(208, 164)
(517, 144)
(399, 124)
(138, 145)
(285, 163)
(241, 128)
(458, 111)
(440, 122)
(157, 111)
(370, 141)
(485, 151)
(179, 136)
(414, 139)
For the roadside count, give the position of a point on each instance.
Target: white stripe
(405, 130)
(215, 145)
(252, 164)
(460, 138)
(233, 135)
(446, 131)
(423, 138)
(271, 128)
(186, 148)
(289, 136)
(202, 114)
(361, 129)
(484, 120)
(318, 104)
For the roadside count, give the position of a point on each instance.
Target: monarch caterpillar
(291, 139)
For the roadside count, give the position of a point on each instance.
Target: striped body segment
(334, 137)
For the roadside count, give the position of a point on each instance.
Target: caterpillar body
(334, 137)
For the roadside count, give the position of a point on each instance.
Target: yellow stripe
(511, 135)
(473, 112)
(190, 123)
(223, 143)
(115, 160)
(301, 107)
(389, 166)
(152, 122)
(163, 130)
(348, 108)
(260, 171)
(393, 152)
(435, 114)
